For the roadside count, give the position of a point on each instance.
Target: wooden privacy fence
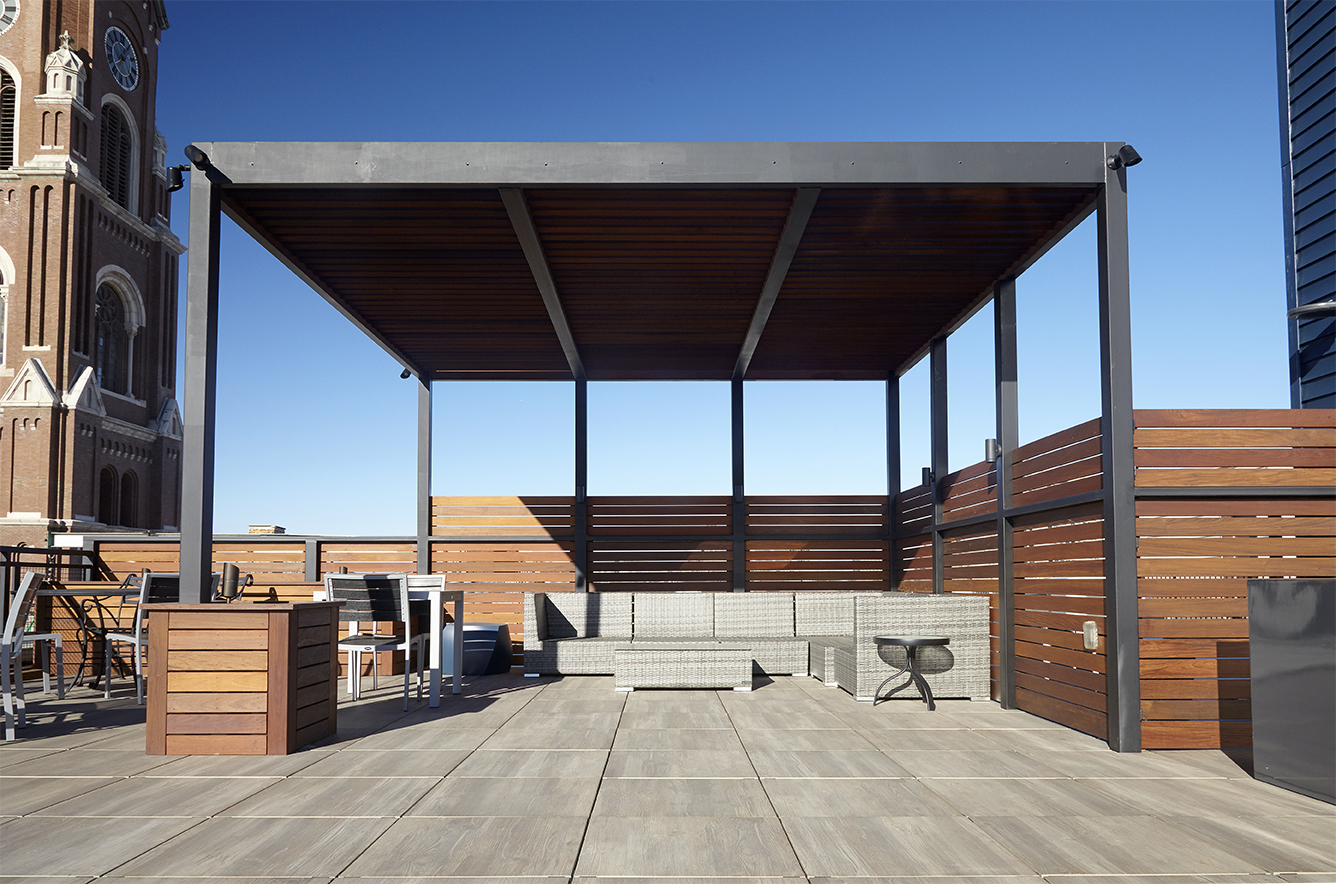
(1221, 497)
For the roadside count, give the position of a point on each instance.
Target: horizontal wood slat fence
(1222, 496)
(1220, 515)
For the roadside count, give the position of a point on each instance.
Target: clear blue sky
(317, 432)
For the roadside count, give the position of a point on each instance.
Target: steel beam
(739, 488)
(200, 390)
(893, 470)
(522, 221)
(799, 213)
(424, 477)
(784, 164)
(1008, 438)
(1123, 655)
(938, 401)
(581, 484)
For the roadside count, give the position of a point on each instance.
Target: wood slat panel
(216, 723)
(215, 703)
(1243, 477)
(222, 661)
(223, 639)
(1196, 734)
(1235, 417)
(1081, 718)
(215, 744)
(219, 682)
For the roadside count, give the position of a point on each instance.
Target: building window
(8, 105)
(107, 487)
(117, 155)
(129, 500)
(112, 361)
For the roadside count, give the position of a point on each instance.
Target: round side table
(911, 644)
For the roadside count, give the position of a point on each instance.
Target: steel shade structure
(669, 261)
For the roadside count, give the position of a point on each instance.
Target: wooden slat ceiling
(657, 283)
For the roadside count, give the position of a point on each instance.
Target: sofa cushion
(587, 614)
(753, 614)
(674, 614)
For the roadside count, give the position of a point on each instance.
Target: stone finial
(66, 72)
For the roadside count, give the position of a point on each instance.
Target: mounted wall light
(405, 374)
(927, 476)
(175, 180)
(991, 450)
(198, 158)
(1126, 156)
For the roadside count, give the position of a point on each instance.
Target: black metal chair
(376, 599)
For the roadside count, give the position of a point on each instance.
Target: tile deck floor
(565, 780)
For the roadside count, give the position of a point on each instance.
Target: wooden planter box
(241, 679)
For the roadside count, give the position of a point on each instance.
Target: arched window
(113, 344)
(117, 155)
(9, 95)
(107, 486)
(129, 500)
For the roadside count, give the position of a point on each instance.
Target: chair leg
(46, 665)
(60, 668)
(7, 690)
(106, 669)
(139, 673)
(16, 690)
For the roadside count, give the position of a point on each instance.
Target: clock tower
(90, 434)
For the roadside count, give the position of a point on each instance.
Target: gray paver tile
(257, 848)
(41, 845)
(825, 763)
(1278, 844)
(990, 764)
(408, 763)
(239, 765)
(142, 796)
(773, 740)
(706, 716)
(678, 763)
(780, 720)
(318, 796)
(927, 739)
(518, 737)
(534, 763)
(854, 798)
(402, 739)
(686, 846)
(482, 846)
(690, 739)
(1042, 740)
(938, 846)
(1211, 797)
(20, 796)
(1110, 845)
(1112, 765)
(509, 796)
(12, 755)
(664, 797)
(1033, 797)
(116, 763)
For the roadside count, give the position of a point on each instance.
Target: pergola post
(893, 468)
(1122, 651)
(1008, 437)
(739, 490)
(200, 390)
(581, 515)
(937, 392)
(424, 477)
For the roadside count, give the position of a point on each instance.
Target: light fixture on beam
(1126, 156)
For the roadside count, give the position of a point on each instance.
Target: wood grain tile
(810, 797)
(260, 848)
(322, 797)
(509, 796)
(1111, 845)
(665, 797)
(691, 739)
(824, 763)
(990, 764)
(516, 737)
(143, 797)
(40, 846)
(1000, 797)
(686, 846)
(867, 846)
(796, 740)
(678, 763)
(483, 846)
(1277, 844)
(20, 796)
(534, 763)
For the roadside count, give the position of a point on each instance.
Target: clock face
(9, 11)
(121, 58)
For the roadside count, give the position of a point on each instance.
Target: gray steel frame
(1008, 438)
(805, 166)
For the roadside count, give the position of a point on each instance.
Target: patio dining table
(70, 590)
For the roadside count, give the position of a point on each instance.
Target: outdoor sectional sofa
(829, 634)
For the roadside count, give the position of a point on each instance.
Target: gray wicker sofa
(828, 634)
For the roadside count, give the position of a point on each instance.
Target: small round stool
(911, 644)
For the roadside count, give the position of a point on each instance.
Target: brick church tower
(90, 433)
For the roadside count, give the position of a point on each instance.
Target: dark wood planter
(241, 679)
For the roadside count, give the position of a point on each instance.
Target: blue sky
(317, 432)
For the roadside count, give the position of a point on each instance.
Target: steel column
(937, 390)
(200, 390)
(1008, 437)
(739, 490)
(581, 485)
(893, 469)
(1123, 656)
(424, 477)
(311, 561)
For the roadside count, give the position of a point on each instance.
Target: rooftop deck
(566, 780)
